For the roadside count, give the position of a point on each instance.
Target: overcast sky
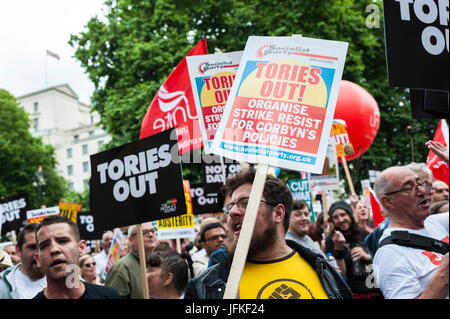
(27, 29)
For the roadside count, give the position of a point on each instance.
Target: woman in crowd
(87, 266)
(167, 275)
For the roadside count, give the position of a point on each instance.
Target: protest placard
(300, 191)
(86, 226)
(417, 31)
(212, 77)
(344, 147)
(216, 172)
(180, 226)
(278, 113)
(13, 213)
(114, 252)
(203, 202)
(329, 179)
(37, 215)
(281, 105)
(69, 210)
(137, 182)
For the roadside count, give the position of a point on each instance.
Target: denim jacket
(211, 283)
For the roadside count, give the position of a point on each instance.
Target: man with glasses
(125, 275)
(212, 237)
(405, 272)
(275, 268)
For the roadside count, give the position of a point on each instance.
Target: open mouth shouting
(424, 203)
(57, 263)
(236, 227)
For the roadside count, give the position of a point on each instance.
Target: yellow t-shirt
(288, 278)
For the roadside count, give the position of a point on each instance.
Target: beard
(258, 244)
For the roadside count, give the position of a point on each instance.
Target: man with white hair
(125, 275)
(102, 258)
(405, 272)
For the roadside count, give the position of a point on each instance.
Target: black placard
(213, 172)
(427, 104)
(416, 34)
(86, 226)
(203, 202)
(13, 212)
(137, 182)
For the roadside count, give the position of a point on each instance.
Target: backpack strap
(405, 238)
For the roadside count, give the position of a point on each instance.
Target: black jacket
(212, 282)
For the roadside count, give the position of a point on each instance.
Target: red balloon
(360, 111)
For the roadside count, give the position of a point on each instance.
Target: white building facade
(57, 115)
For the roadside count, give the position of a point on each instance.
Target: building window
(76, 137)
(92, 119)
(36, 124)
(85, 166)
(71, 186)
(69, 153)
(36, 106)
(91, 133)
(100, 144)
(70, 170)
(84, 149)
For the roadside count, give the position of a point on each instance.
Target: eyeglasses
(90, 264)
(242, 204)
(145, 232)
(426, 186)
(217, 237)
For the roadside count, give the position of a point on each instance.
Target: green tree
(129, 53)
(21, 154)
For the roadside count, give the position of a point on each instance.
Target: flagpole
(45, 71)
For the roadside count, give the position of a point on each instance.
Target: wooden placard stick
(178, 243)
(347, 174)
(142, 262)
(325, 205)
(240, 255)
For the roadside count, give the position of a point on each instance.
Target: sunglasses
(90, 264)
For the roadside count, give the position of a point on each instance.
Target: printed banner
(181, 226)
(329, 179)
(300, 191)
(137, 182)
(13, 213)
(37, 215)
(212, 77)
(69, 210)
(281, 105)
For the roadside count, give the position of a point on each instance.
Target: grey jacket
(211, 283)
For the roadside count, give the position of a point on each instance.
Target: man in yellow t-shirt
(275, 267)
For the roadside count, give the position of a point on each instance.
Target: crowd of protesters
(289, 257)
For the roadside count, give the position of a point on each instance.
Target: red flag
(377, 216)
(439, 167)
(50, 53)
(174, 106)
